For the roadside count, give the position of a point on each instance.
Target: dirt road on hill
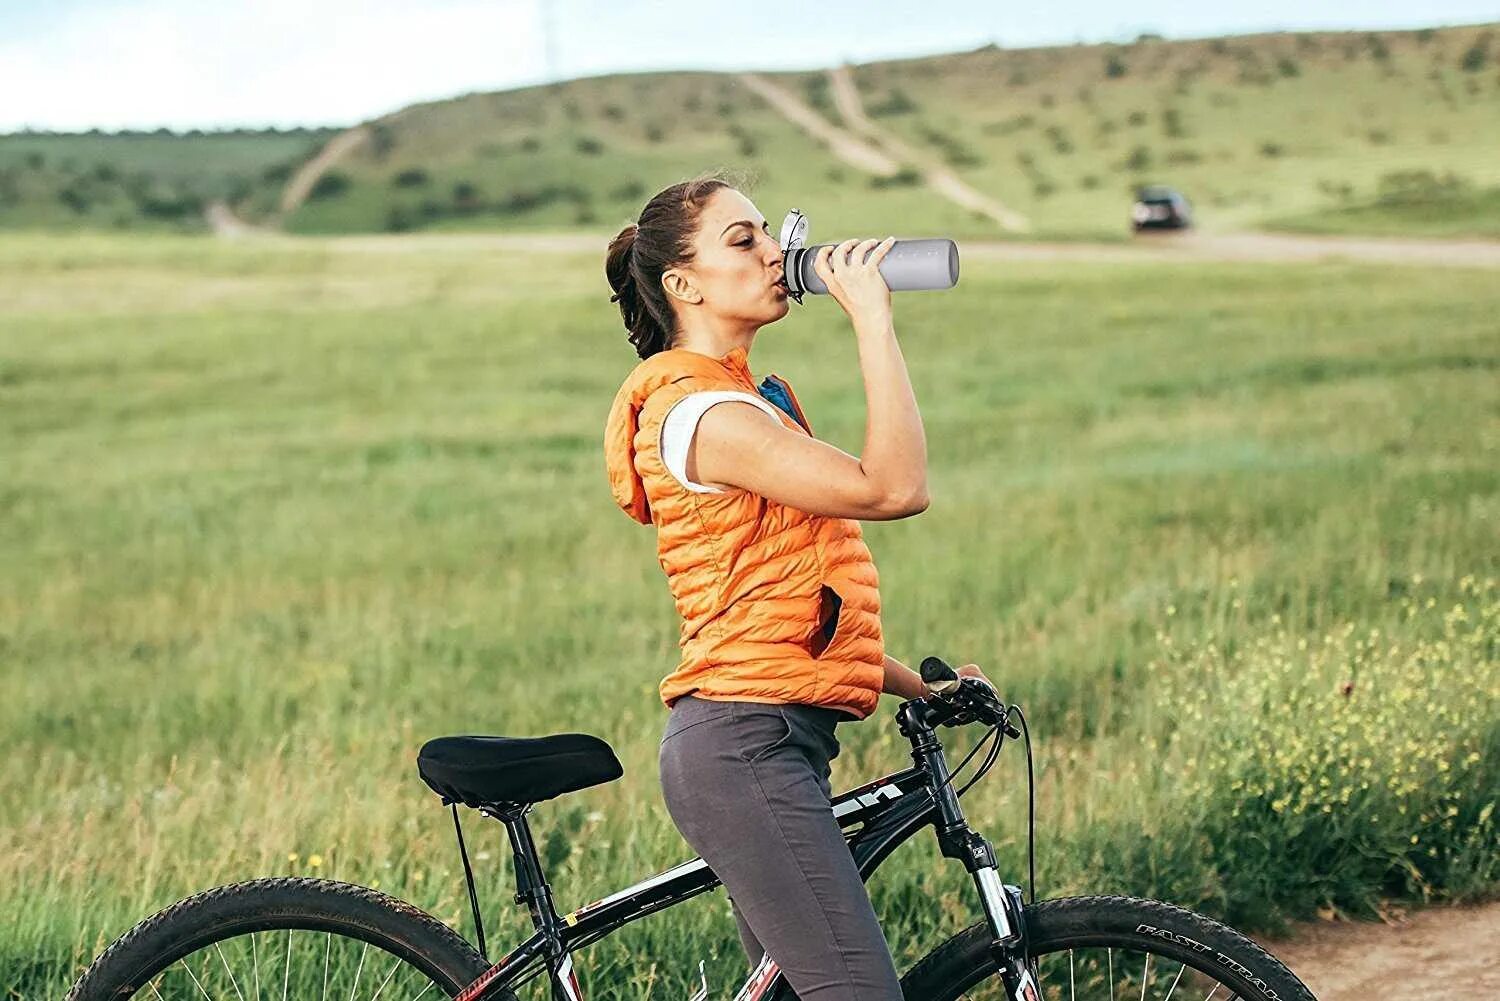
(1442, 952)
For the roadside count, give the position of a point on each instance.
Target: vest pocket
(830, 607)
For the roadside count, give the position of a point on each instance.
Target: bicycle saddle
(479, 771)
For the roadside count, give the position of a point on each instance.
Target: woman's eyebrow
(746, 222)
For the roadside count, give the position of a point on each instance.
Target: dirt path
(301, 184)
(938, 177)
(1450, 953)
(847, 147)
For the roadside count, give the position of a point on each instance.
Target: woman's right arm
(742, 446)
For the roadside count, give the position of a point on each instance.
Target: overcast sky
(79, 64)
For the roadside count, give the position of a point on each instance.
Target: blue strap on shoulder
(772, 390)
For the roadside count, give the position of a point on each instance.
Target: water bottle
(909, 265)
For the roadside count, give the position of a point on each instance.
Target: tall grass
(273, 514)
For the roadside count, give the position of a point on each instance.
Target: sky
(111, 64)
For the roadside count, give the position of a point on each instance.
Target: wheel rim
(288, 964)
(1114, 973)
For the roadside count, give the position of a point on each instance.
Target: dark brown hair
(643, 250)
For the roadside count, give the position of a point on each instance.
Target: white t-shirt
(682, 420)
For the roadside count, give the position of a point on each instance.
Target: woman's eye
(744, 243)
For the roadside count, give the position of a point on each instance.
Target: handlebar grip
(937, 670)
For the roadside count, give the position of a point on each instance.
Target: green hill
(131, 180)
(1327, 131)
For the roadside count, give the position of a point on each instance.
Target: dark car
(1160, 207)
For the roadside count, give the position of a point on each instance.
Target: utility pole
(549, 38)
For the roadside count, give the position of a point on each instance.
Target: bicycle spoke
(288, 974)
(185, 966)
(235, 983)
(1111, 975)
(424, 990)
(255, 962)
(1213, 992)
(1145, 976)
(1174, 981)
(394, 967)
(327, 945)
(1072, 981)
(359, 970)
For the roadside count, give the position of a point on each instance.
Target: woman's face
(736, 274)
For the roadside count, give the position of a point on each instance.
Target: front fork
(1004, 909)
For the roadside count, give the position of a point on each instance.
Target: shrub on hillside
(904, 178)
(588, 146)
(654, 133)
(1288, 67)
(530, 144)
(1136, 118)
(614, 112)
(398, 219)
(895, 102)
(1059, 139)
(1270, 149)
(412, 177)
(331, 185)
(1139, 159)
(466, 197)
(1114, 66)
(629, 191)
(1476, 56)
(1416, 187)
(1089, 182)
(1171, 124)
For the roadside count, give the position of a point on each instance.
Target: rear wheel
(1109, 948)
(283, 938)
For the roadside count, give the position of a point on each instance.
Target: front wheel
(283, 938)
(1109, 948)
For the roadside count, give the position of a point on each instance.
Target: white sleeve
(682, 421)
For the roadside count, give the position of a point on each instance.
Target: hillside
(1360, 132)
(139, 180)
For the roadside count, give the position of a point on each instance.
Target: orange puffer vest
(777, 605)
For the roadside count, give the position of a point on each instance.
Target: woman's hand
(855, 281)
(973, 671)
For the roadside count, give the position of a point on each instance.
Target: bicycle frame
(888, 811)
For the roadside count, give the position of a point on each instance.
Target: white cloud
(201, 64)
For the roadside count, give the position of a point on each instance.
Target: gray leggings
(746, 783)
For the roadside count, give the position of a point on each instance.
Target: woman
(758, 532)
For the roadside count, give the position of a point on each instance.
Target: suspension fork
(1003, 904)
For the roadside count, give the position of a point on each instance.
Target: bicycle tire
(215, 916)
(1107, 922)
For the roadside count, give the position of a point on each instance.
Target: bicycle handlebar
(967, 699)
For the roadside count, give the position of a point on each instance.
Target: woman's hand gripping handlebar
(955, 701)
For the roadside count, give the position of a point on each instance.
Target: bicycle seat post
(532, 888)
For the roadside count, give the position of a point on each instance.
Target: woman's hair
(637, 257)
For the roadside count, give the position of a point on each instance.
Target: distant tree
(1476, 55)
(1287, 66)
(412, 177)
(629, 191)
(895, 102)
(276, 173)
(1149, 36)
(1114, 66)
(466, 197)
(331, 185)
(589, 146)
(382, 140)
(35, 160)
(1378, 49)
(398, 219)
(904, 178)
(613, 112)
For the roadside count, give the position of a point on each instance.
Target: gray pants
(746, 783)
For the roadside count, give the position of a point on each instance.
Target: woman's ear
(679, 286)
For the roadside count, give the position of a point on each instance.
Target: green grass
(1462, 214)
(276, 512)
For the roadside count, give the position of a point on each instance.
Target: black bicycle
(306, 938)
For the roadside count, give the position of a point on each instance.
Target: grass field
(274, 513)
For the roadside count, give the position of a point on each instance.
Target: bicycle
(1020, 951)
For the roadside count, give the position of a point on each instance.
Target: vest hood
(623, 423)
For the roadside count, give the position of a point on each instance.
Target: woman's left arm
(903, 681)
